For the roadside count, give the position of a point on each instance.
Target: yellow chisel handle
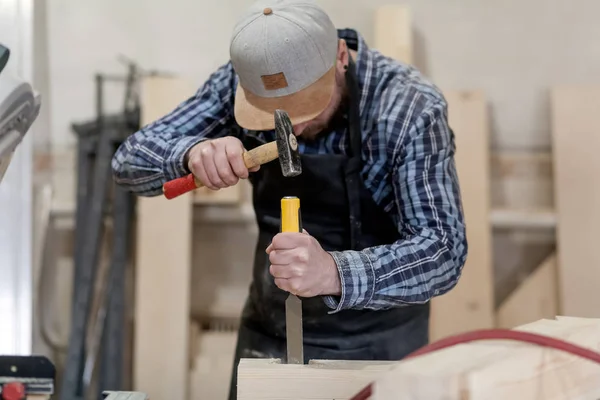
(290, 214)
(291, 222)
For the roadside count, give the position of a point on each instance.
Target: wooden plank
(470, 305)
(576, 140)
(268, 379)
(534, 299)
(500, 369)
(213, 364)
(163, 261)
(536, 218)
(393, 32)
(477, 370)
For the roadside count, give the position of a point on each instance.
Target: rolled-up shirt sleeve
(428, 259)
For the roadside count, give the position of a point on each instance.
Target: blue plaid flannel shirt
(408, 159)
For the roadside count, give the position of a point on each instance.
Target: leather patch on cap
(274, 82)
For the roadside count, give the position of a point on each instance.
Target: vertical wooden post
(470, 305)
(576, 140)
(162, 273)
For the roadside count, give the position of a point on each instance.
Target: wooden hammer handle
(253, 158)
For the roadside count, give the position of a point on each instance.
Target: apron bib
(340, 213)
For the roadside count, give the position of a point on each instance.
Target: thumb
(305, 232)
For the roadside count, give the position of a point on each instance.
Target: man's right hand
(218, 163)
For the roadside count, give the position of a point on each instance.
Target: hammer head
(287, 145)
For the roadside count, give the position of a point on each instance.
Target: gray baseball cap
(284, 53)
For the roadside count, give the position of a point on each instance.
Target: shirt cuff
(357, 277)
(173, 166)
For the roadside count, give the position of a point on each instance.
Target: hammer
(285, 148)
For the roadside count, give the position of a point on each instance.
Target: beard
(317, 128)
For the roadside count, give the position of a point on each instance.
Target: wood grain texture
(500, 370)
(163, 261)
(487, 370)
(576, 140)
(393, 32)
(535, 298)
(470, 304)
(268, 379)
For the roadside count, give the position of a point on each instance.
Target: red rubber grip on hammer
(179, 186)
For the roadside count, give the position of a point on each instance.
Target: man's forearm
(155, 154)
(410, 271)
(143, 166)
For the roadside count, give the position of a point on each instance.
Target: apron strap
(354, 110)
(354, 166)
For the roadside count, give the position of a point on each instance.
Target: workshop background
(531, 64)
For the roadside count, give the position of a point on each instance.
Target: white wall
(514, 49)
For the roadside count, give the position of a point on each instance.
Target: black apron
(341, 214)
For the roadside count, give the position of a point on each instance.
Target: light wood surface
(393, 32)
(268, 379)
(485, 370)
(535, 218)
(576, 140)
(213, 364)
(535, 298)
(501, 369)
(470, 305)
(163, 259)
(228, 196)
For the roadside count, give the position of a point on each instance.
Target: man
(379, 193)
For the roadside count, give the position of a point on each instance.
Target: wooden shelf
(525, 219)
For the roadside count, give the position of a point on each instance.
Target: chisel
(291, 222)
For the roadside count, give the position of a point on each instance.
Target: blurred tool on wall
(95, 356)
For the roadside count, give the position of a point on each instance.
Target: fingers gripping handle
(261, 155)
(253, 158)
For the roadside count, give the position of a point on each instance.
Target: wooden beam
(470, 305)
(537, 218)
(576, 141)
(268, 379)
(162, 271)
(500, 369)
(536, 298)
(393, 32)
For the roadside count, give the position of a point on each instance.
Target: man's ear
(342, 63)
(342, 56)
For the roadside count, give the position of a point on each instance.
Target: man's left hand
(300, 265)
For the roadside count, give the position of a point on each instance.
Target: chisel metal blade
(293, 329)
